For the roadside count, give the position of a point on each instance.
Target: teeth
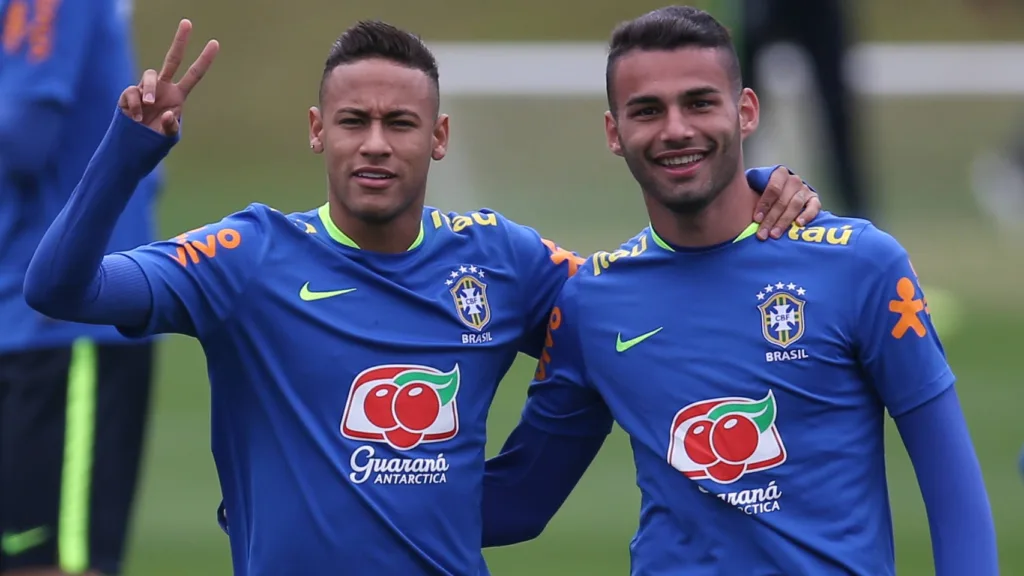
(375, 175)
(681, 160)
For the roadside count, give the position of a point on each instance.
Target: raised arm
(69, 278)
(901, 353)
(564, 425)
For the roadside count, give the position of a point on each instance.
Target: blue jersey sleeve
(939, 445)
(543, 268)
(896, 342)
(45, 44)
(203, 273)
(561, 399)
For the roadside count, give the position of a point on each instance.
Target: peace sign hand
(157, 100)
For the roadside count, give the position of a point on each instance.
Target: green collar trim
(341, 238)
(747, 233)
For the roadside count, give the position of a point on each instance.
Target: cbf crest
(783, 316)
(468, 289)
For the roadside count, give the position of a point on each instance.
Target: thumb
(169, 123)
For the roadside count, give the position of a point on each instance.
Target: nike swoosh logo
(310, 296)
(15, 543)
(621, 346)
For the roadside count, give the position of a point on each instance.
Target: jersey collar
(747, 232)
(341, 238)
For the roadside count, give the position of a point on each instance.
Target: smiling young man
(752, 378)
(354, 349)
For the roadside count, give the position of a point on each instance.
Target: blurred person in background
(74, 398)
(822, 29)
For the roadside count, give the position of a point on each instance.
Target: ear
(316, 129)
(749, 111)
(440, 138)
(611, 133)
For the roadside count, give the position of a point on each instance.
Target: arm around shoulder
(563, 427)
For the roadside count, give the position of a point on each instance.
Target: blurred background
(939, 91)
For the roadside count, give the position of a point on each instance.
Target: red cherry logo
(734, 438)
(377, 406)
(724, 472)
(697, 443)
(417, 406)
(403, 439)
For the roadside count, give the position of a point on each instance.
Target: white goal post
(878, 69)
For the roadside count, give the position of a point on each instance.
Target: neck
(391, 237)
(721, 221)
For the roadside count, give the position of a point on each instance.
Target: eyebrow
(391, 115)
(691, 93)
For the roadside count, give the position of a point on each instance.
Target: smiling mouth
(374, 175)
(681, 161)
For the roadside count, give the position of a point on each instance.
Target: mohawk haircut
(368, 39)
(671, 28)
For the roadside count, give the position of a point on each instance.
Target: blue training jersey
(77, 55)
(752, 379)
(350, 389)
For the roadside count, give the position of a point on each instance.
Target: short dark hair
(375, 39)
(671, 28)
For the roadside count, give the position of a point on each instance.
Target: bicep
(544, 269)
(197, 279)
(567, 409)
(561, 398)
(897, 344)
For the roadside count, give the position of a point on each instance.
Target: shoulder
(489, 231)
(248, 230)
(865, 245)
(483, 223)
(632, 255)
(302, 221)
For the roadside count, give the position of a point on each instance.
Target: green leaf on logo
(761, 412)
(446, 385)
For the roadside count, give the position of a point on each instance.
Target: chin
(686, 202)
(377, 209)
(376, 215)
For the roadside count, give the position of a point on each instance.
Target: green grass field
(564, 183)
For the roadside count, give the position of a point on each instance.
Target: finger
(789, 191)
(791, 211)
(131, 102)
(769, 198)
(198, 68)
(176, 52)
(811, 210)
(148, 86)
(169, 122)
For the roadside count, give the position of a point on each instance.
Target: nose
(677, 128)
(376, 143)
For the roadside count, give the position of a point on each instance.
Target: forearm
(68, 277)
(939, 444)
(526, 484)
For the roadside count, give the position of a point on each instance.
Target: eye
(646, 111)
(404, 124)
(350, 122)
(703, 104)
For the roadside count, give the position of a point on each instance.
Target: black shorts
(72, 424)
